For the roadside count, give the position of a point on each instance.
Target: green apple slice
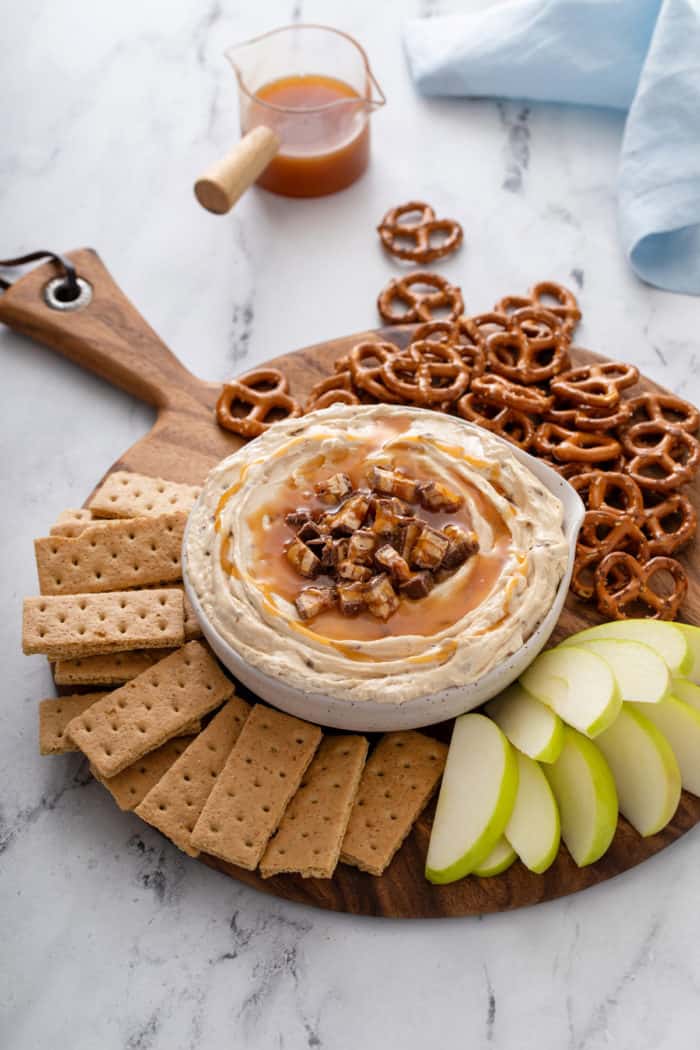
(476, 799)
(584, 790)
(530, 726)
(577, 684)
(667, 639)
(680, 724)
(499, 859)
(639, 671)
(686, 691)
(645, 770)
(533, 829)
(692, 637)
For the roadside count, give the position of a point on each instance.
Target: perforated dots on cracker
(112, 669)
(54, 716)
(72, 522)
(127, 495)
(130, 786)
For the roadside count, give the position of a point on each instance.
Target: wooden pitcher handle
(107, 336)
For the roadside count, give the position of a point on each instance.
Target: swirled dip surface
(464, 627)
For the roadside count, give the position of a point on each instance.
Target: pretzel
(622, 583)
(662, 456)
(574, 469)
(611, 491)
(510, 303)
(596, 386)
(461, 336)
(420, 305)
(512, 425)
(482, 325)
(335, 389)
(567, 307)
(620, 532)
(679, 514)
(426, 373)
(542, 328)
(366, 361)
(261, 402)
(665, 408)
(499, 391)
(392, 232)
(578, 417)
(514, 356)
(577, 445)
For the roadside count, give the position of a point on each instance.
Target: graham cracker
(54, 716)
(110, 556)
(130, 786)
(253, 789)
(127, 495)
(154, 707)
(310, 834)
(71, 522)
(174, 804)
(92, 624)
(400, 776)
(192, 628)
(112, 669)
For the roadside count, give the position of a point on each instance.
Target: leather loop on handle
(223, 183)
(107, 336)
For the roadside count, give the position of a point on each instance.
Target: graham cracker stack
(400, 776)
(54, 716)
(252, 791)
(63, 626)
(174, 804)
(154, 707)
(127, 495)
(310, 834)
(71, 522)
(130, 786)
(111, 556)
(112, 669)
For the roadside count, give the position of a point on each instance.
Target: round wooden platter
(110, 337)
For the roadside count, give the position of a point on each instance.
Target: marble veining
(112, 938)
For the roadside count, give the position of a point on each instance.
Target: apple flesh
(499, 860)
(640, 673)
(687, 691)
(584, 791)
(680, 724)
(692, 637)
(530, 726)
(645, 770)
(534, 829)
(476, 799)
(667, 639)
(577, 684)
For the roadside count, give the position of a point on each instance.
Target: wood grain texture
(110, 337)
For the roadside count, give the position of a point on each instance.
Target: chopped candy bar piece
(429, 549)
(418, 585)
(433, 495)
(390, 559)
(334, 489)
(351, 598)
(340, 549)
(296, 518)
(362, 546)
(312, 600)
(351, 570)
(392, 483)
(351, 515)
(382, 600)
(386, 520)
(302, 558)
(309, 532)
(462, 545)
(409, 535)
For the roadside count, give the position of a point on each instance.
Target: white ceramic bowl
(371, 716)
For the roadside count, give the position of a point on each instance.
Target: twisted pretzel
(611, 491)
(499, 391)
(419, 305)
(670, 524)
(261, 403)
(514, 356)
(427, 373)
(575, 445)
(510, 303)
(578, 417)
(622, 583)
(482, 325)
(335, 389)
(512, 425)
(663, 456)
(542, 328)
(392, 232)
(596, 386)
(366, 362)
(567, 308)
(619, 532)
(665, 408)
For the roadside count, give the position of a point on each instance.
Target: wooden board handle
(107, 336)
(223, 183)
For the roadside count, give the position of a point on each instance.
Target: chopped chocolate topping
(435, 496)
(386, 520)
(351, 598)
(296, 518)
(409, 535)
(334, 489)
(390, 559)
(418, 585)
(429, 549)
(382, 599)
(351, 515)
(302, 558)
(362, 546)
(352, 570)
(462, 545)
(311, 601)
(392, 483)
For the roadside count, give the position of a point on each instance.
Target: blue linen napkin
(641, 55)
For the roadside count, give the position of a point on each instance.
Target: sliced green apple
(533, 829)
(577, 684)
(499, 859)
(692, 637)
(667, 639)
(680, 724)
(585, 794)
(530, 726)
(639, 671)
(645, 770)
(476, 799)
(686, 691)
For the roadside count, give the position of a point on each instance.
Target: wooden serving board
(110, 337)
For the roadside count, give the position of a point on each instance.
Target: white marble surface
(110, 937)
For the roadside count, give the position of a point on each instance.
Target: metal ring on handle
(58, 285)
